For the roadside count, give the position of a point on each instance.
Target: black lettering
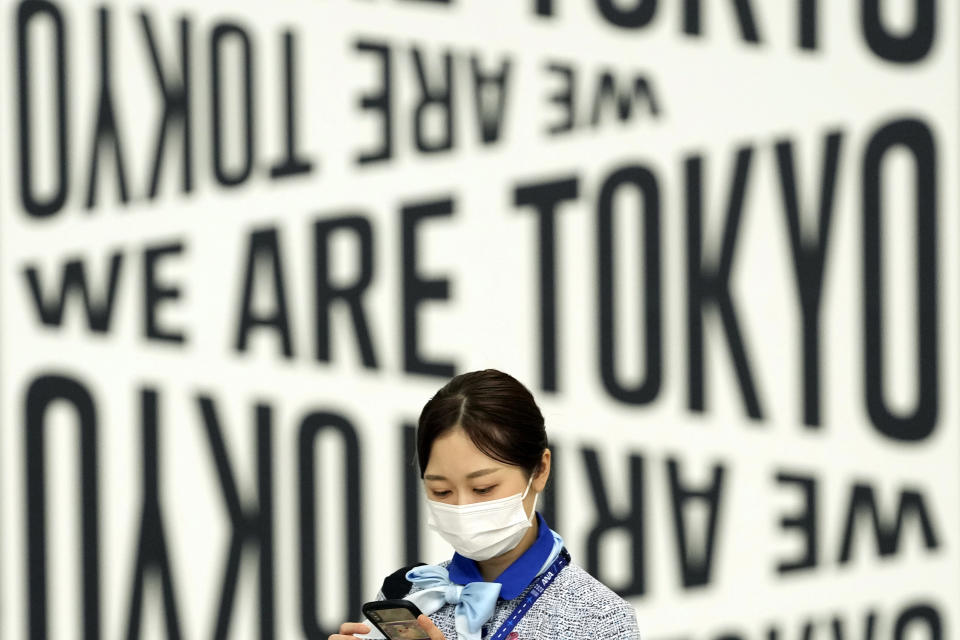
(564, 98)
(804, 522)
(807, 22)
(99, 313)
(490, 98)
(809, 258)
(351, 294)
(264, 250)
(38, 206)
(292, 163)
(745, 19)
(870, 623)
(153, 558)
(412, 486)
(607, 94)
(175, 94)
(919, 424)
(438, 98)
(887, 534)
(544, 7)
(155, 292)
(221, 33)
(773, 633)
(921, 615)
(713, 284)
(381, 102)
(311, 428)
(651, 349)
(249, 525)
(545, 198)
(106, 129)
(635, 17)
(696, 565)
(904, 49)
(417, 289)
(43, 392)
(630, 523)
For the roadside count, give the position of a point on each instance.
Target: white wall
(720, 100)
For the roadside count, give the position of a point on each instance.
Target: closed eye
(484, 490)
(440, 493)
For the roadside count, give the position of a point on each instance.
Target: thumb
(427, 625)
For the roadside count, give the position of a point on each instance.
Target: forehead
(453, 454)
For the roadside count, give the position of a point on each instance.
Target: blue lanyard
(539, 586)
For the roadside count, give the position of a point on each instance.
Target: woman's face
(459, 473)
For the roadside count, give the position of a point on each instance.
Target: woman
(483, 456)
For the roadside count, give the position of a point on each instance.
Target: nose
(464, 496)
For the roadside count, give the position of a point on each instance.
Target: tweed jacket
(575, 606)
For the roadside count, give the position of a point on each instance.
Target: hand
(427, 625)
(347, 629)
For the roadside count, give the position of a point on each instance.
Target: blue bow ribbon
(474, 602)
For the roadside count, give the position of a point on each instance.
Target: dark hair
(497, 413)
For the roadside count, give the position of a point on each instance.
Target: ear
(543, 472)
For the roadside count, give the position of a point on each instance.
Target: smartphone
(396, 619)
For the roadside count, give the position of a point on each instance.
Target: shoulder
(580, 600)
(396, 585)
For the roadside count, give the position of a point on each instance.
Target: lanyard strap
(539, 586)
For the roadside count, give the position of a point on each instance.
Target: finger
(350, 628)
(427, 625)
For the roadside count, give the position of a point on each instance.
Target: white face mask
(483, 530)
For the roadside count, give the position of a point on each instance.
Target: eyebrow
(471, 475)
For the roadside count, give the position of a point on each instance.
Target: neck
(492, 568)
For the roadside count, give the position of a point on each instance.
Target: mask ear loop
(535, 498)
(527, 490)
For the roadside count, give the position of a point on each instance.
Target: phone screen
(397, 624)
